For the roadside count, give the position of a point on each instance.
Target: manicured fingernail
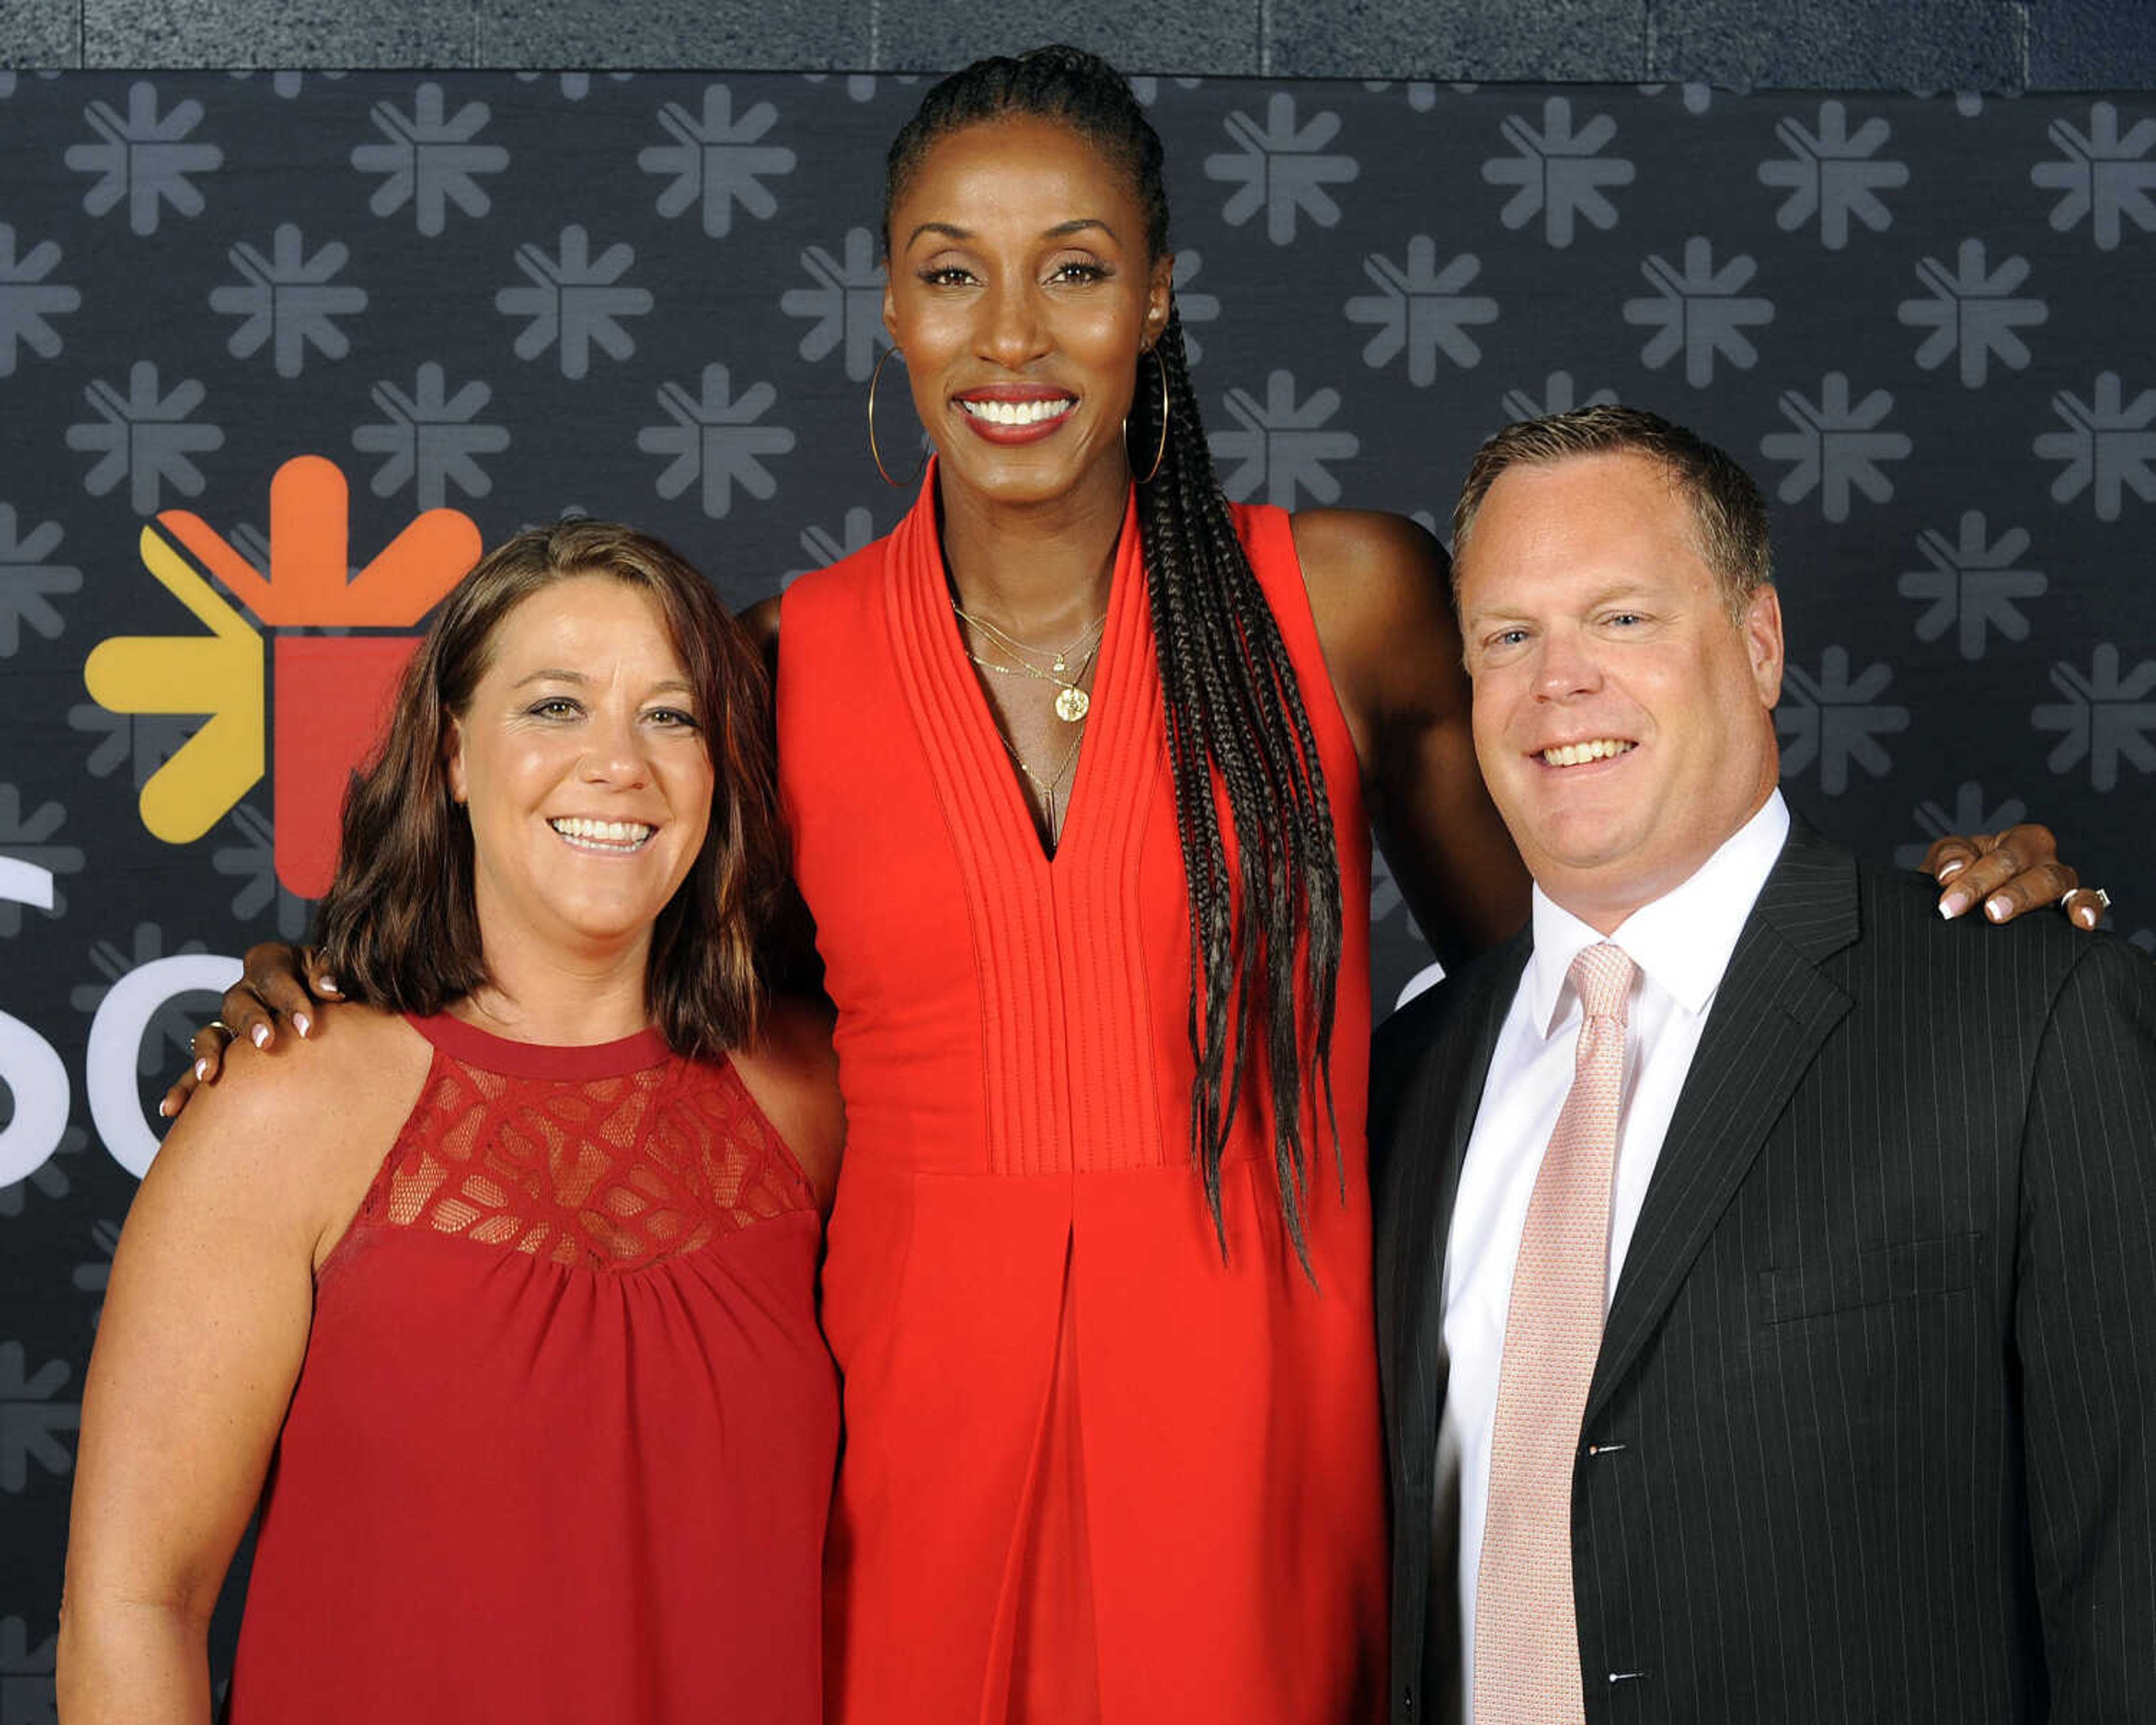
(1954, 903)
(260, 1033)
(201, 1068)
(2000, 908)
(1948, 870)
(164, 1109)
(302, 1023)
(2086, 916)
(327, 985)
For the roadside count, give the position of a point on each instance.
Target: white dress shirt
(1680, 944)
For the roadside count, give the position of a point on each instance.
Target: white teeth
(614, 834)
(1016, 412)
(1576, 754)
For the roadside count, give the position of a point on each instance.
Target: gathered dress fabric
(562, 1447)
(1093, 1469)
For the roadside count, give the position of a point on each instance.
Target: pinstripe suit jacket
(1873, 1422)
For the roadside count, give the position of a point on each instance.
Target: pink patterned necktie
(1526, 1642)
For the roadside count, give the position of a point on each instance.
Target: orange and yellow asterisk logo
(329, 692)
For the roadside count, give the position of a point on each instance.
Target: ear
(890, 307)
(1763, 643)
(1160, 288)
(453, 762)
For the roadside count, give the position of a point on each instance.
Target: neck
(1035, 568)
(571, 999)
(1605, 905)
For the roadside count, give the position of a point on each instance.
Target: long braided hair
(1265, 928)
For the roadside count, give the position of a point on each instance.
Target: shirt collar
(1682, 940)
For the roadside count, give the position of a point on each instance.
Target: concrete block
(1139, 36)
(1838, 44)
(42, 33)
(2092, 45)
(746, 35)
(287, 33)
(1594, 41)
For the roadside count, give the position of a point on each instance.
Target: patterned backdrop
(277, 352)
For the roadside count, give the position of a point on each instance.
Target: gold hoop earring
(1160, 452)
(874, 453)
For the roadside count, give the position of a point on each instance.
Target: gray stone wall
(1846, 44)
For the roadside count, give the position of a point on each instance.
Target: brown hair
(1728, 514)
(399, 926)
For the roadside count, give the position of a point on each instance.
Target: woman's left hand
(2008, 873)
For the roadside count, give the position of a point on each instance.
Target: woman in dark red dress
(524, 1340)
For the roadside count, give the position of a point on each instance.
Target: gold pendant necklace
(1072, 703)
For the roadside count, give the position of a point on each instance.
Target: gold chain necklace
(1072, 703)
(1047, 786)
(1013, 644)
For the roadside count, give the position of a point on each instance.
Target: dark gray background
(1967, 751)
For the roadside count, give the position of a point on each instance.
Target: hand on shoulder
(301, 1128)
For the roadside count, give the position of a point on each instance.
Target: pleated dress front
(1091, 1468)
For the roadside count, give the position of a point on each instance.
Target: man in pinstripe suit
(1861, 1421)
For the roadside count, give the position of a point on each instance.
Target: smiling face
(1623, 721)
(580, 761)
(1021, 293)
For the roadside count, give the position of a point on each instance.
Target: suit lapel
(1437, 1121)
(1772, 1011)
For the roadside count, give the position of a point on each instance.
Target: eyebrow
(1061, 230)
(670, 686)
(1615, 592)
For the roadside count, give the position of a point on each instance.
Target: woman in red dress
(522, 1336)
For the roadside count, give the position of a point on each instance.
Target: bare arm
(1379, 592)
(204, 1328)
(793, 1073)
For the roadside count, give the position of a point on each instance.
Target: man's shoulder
(1968, 975)
(1412, 1035)
(1899, 921)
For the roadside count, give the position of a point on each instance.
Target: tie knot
(1602, 975)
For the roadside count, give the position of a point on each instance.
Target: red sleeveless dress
(1090, 1469)
(562, 1447)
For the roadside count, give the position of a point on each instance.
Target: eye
(946, 275)
(672, 718)
(1083, 271)
(1506, 638)
(554, 706)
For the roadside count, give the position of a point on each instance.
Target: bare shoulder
(793, 1073)
(1365, 545)
(295, 1135)
(1380, 594)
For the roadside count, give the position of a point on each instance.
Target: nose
(614, 754)
(1012, 332)
(1567, 667)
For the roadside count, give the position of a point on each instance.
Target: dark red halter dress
(562, 1445)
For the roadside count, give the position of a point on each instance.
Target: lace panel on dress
(609, 1174)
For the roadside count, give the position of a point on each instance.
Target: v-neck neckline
(990, 747)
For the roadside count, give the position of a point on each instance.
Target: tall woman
(510, 1274)
(1080, 765)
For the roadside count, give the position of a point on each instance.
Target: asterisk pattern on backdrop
(488, 298)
